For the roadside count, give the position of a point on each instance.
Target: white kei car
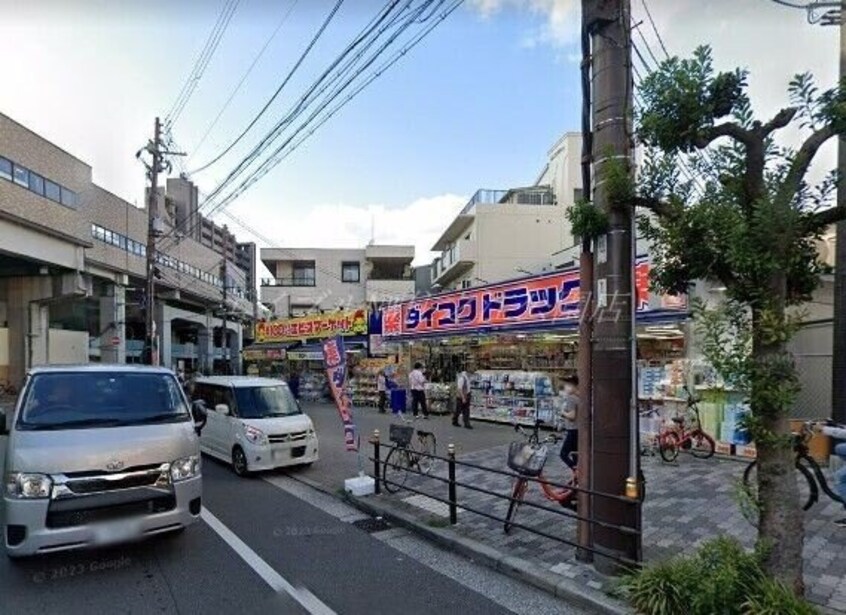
(254, 423)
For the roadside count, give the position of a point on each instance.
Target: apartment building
(504, 234)
(73, 265)
(310, 280)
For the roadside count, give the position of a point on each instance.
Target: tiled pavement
(687, 503)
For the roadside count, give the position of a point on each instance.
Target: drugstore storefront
(520, 339)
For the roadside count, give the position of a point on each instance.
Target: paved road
(267, 545)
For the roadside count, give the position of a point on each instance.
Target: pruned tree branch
(827, 217)
(793, 181)
(727, 129)
(780, 120)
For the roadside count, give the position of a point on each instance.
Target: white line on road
(309, 601)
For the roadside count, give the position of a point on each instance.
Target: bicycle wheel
(395, 470)
(702, 445)
(517, 493)
(808, 491)
(821, 479)
(427, 446)
(668, 446)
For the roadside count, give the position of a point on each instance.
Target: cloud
(561, 18)
(418, 223)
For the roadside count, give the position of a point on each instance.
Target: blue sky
(477, 104)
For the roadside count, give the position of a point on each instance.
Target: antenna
(372, 228)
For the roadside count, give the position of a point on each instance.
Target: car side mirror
(222, 409)
(200, 414)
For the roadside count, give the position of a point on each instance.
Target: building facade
(311, 280)
(73, 265)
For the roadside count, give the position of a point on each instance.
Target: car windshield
(79, 400)
(263, 402)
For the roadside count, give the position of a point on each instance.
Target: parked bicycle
(7, 389)
(406, 456)
(806, 466)
(678, 437)
(528, 458)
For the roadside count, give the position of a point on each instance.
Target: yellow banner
(312, 327)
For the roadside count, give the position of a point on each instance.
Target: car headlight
(28, 486)
(184, 468)
(256, 436)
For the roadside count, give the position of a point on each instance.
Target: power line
(244, 76)
(201, 63)
(291, 73)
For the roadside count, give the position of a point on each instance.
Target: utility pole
(224, 336)
(614, 457)
(154, 230)
(830, 13)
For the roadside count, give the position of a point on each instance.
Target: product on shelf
(439, 397)
(512, 396)
(363, 381)
(314, 386)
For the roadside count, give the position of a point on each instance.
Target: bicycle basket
(527, 459)
(401, 434)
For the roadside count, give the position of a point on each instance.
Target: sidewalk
(687, 503)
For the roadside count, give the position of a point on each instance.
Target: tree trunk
(781, 530)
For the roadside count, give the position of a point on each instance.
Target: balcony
(288, 282)
(391, 253)
(454, 261)
(483, 196)
(387, 291)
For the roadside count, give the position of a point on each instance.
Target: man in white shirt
(462, 400)
(417, 384)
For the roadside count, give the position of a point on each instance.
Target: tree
(752, 227)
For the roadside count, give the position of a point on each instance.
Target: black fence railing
(450, 498)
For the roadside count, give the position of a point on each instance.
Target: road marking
(307, 600)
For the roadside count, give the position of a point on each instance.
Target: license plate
(116, 531)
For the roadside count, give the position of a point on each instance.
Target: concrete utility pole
(224, 335)
(830, 13)
(614, 455)
(154, 230)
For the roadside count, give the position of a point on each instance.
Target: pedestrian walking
(838, 432)
(567, 416)
(382, 390)
(294, 384)
(417, 384)
(462, 399)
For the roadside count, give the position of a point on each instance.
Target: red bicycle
(678, 437)
(527, 459)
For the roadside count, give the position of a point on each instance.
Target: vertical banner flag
(335, 360)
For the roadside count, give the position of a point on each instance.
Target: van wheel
(239, 462)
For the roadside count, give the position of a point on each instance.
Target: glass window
(21, 176)
(263, 402)
(94, 230)
(107, 236)
(351, 272)
(304, 274)
(6, 169)
(36, 183)
(122, 242)
(52, 191)
(68, 198)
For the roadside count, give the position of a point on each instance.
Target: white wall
(67, 347)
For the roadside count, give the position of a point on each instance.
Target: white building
(504, 234)
(308, 280)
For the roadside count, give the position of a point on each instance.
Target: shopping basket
(401, 434)
(527, 459)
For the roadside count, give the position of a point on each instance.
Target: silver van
(99, 454)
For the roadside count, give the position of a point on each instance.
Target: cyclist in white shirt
(417, 384)
(462, 400)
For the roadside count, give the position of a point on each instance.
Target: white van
(254, 423)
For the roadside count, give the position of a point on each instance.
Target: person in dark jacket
(294, 384)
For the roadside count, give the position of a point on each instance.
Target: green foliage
(686, 96)
(720, 578)
(817, 109)
(587, 220)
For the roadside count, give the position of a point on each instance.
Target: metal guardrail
(451, 499)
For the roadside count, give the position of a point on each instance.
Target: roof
(100, 367)
(240, 381)
(453, 231)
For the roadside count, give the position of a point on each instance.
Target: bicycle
(405, 457)
(814, 477)
(671, 441)
(527, 459)
(8, 389)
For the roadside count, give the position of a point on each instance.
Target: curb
(511, 566)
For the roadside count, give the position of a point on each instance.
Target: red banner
(334, 357)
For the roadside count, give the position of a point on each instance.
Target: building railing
(484, 195)
(309, 282)
(383, 277)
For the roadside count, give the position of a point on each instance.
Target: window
(52, 191)
(68, 198)
(304, 273)
(6, 169)
(351, 272)
(21, 176)
(577, 195)
(36, 183)
(465, 284)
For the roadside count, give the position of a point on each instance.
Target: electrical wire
(201, 63)
(278, 91)
(246, 74)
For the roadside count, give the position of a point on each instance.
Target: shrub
(722, 578)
